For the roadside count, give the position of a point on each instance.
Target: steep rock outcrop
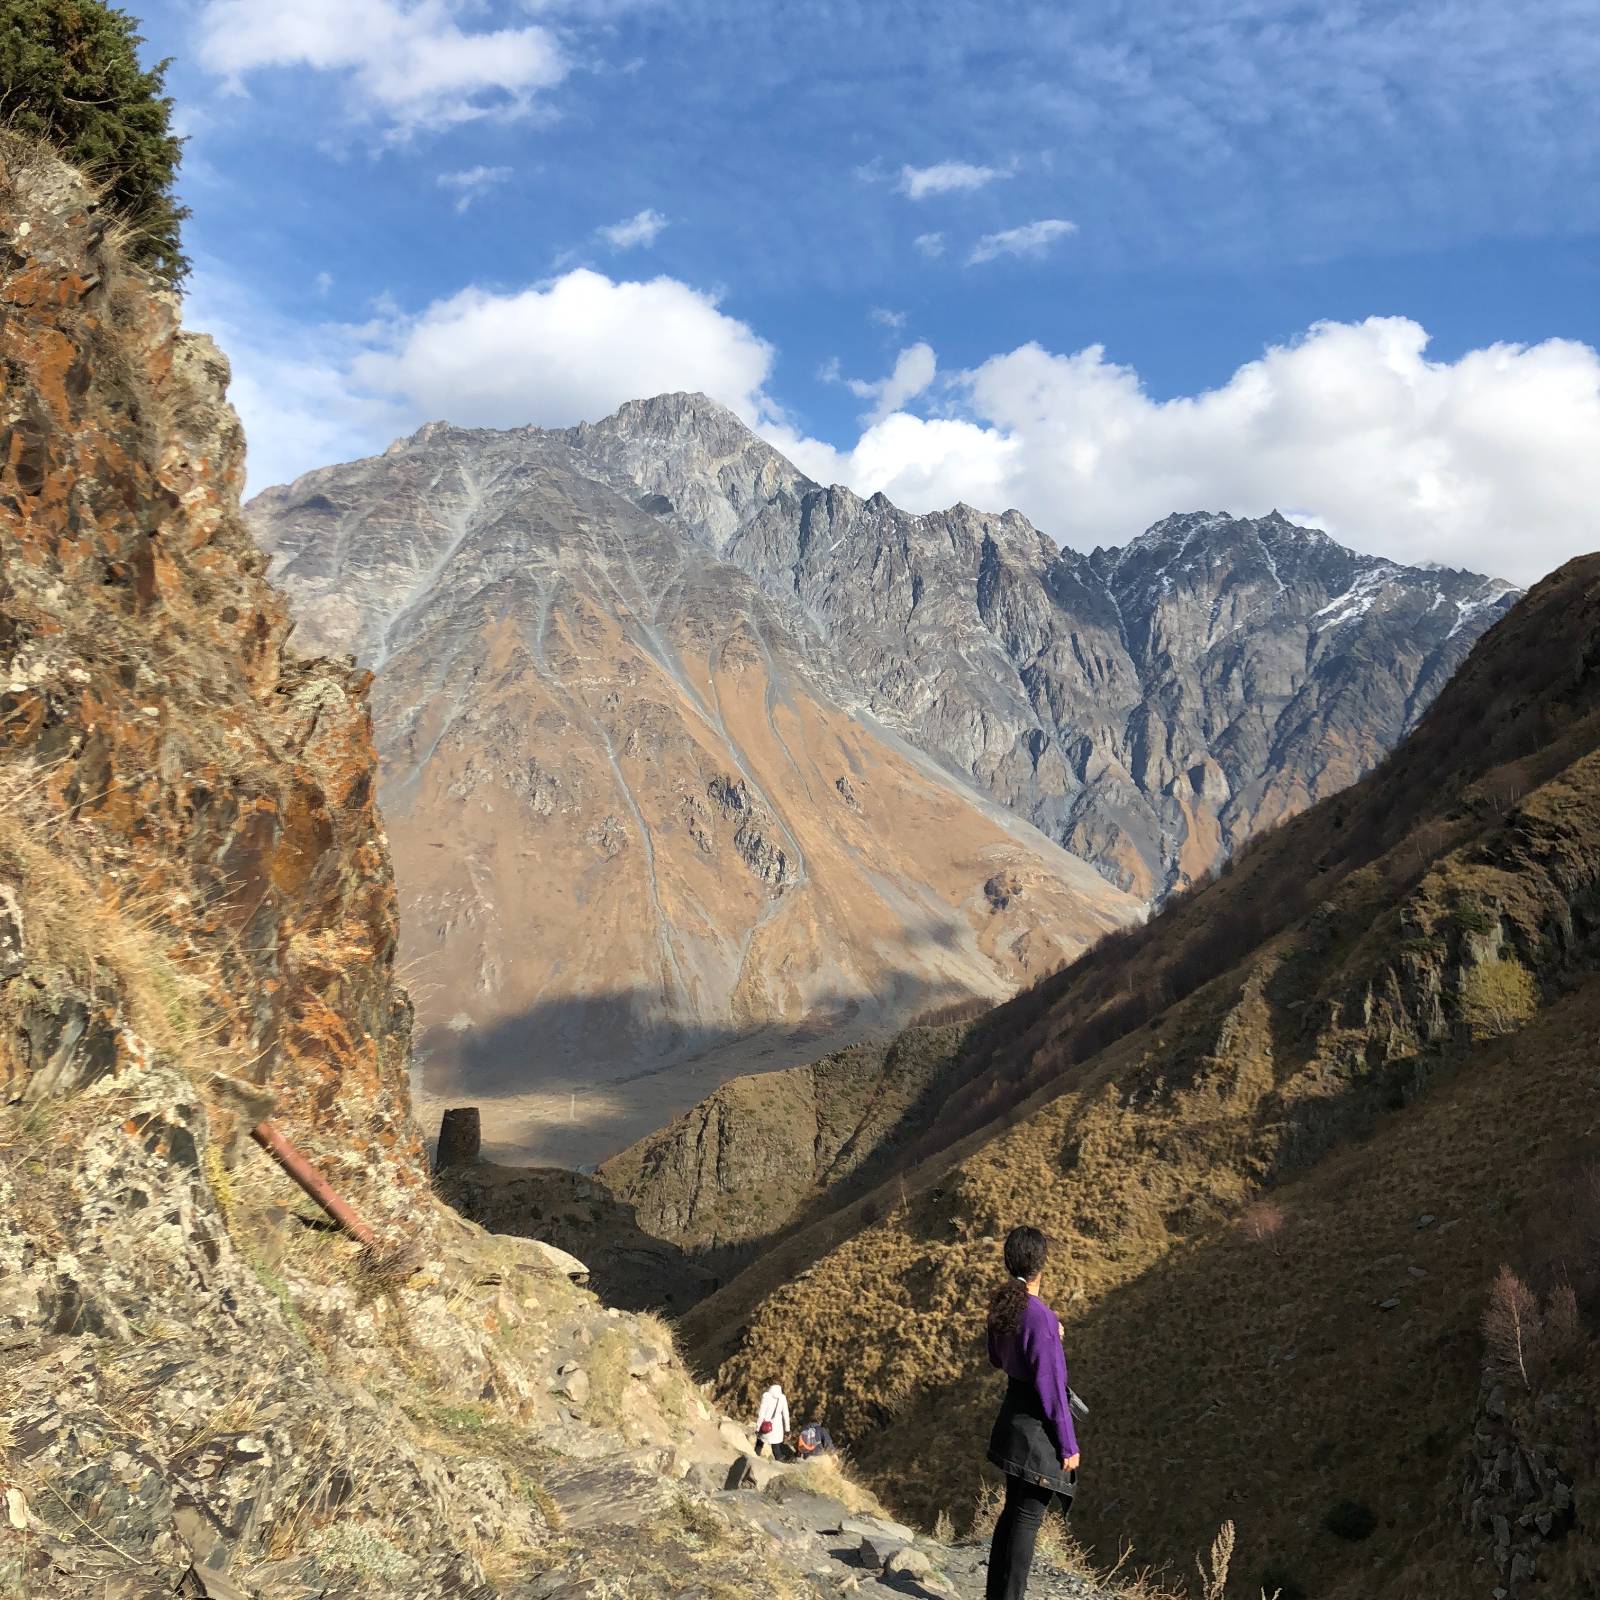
(751, 1159)
(167, 764)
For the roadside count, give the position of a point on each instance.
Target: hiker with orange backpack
(812, 1441)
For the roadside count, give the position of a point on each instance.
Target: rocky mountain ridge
(640, 840)
(1150, 706)
(775, 749)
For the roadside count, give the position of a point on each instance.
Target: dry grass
(1214, 1573)
(1056, 1546)
(40, 1145)
(107, 942)
(609, 1382)
(829, 1475)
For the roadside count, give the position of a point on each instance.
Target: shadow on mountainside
(767, 1155)
(569, 1082)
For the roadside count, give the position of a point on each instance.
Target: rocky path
(616, 1513)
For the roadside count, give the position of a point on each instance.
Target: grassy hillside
(1232, 1121)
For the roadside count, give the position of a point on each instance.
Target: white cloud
(946, 177)
(640, 229)
(410, 62)
(322, 283)
(1490, 461)
(886, 318)
(930, 244)
(921, 464)
(914, 370)
(473, 183)
(574, 348)
(1031, 239)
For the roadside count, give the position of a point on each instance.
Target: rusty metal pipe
(281, 1148)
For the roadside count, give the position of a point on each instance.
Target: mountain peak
(677, 411)
(684, 401)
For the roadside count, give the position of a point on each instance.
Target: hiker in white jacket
(772, 1420)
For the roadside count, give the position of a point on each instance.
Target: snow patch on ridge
(1357, 600)
(1493, 594)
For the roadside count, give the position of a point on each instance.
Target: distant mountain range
(682, 750)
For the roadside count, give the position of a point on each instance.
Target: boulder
(735, 1437)
(909, 1563)
(646, 1358)
(752, 1472)
(879, 1549)
(573, 1382)
(568, 1266)
(707, 1476)
(879, 1527)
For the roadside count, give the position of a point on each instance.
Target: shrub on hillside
(70, 76)
(1497, 996)
(1470, 918)
(1524, 1336)
(1350, 1519)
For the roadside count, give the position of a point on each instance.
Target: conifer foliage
(70, 75)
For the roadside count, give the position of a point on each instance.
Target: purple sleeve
(1042, 1345)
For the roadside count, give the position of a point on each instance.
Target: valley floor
(577, 1121)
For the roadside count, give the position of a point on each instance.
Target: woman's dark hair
(1026, 1252)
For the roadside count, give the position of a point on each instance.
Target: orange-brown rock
(161, 753)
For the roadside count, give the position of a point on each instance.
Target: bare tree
(1510, 1323)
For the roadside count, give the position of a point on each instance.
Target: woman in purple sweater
(1033, 1441)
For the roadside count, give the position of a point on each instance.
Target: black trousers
(1011, 1553)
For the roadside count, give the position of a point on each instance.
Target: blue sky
(1102, 261)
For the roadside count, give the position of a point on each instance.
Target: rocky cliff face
(189, 814)
(1150, 707)
(753, 1159)
(636, 826)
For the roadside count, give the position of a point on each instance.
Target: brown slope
(639, 847)
(1307, 999)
